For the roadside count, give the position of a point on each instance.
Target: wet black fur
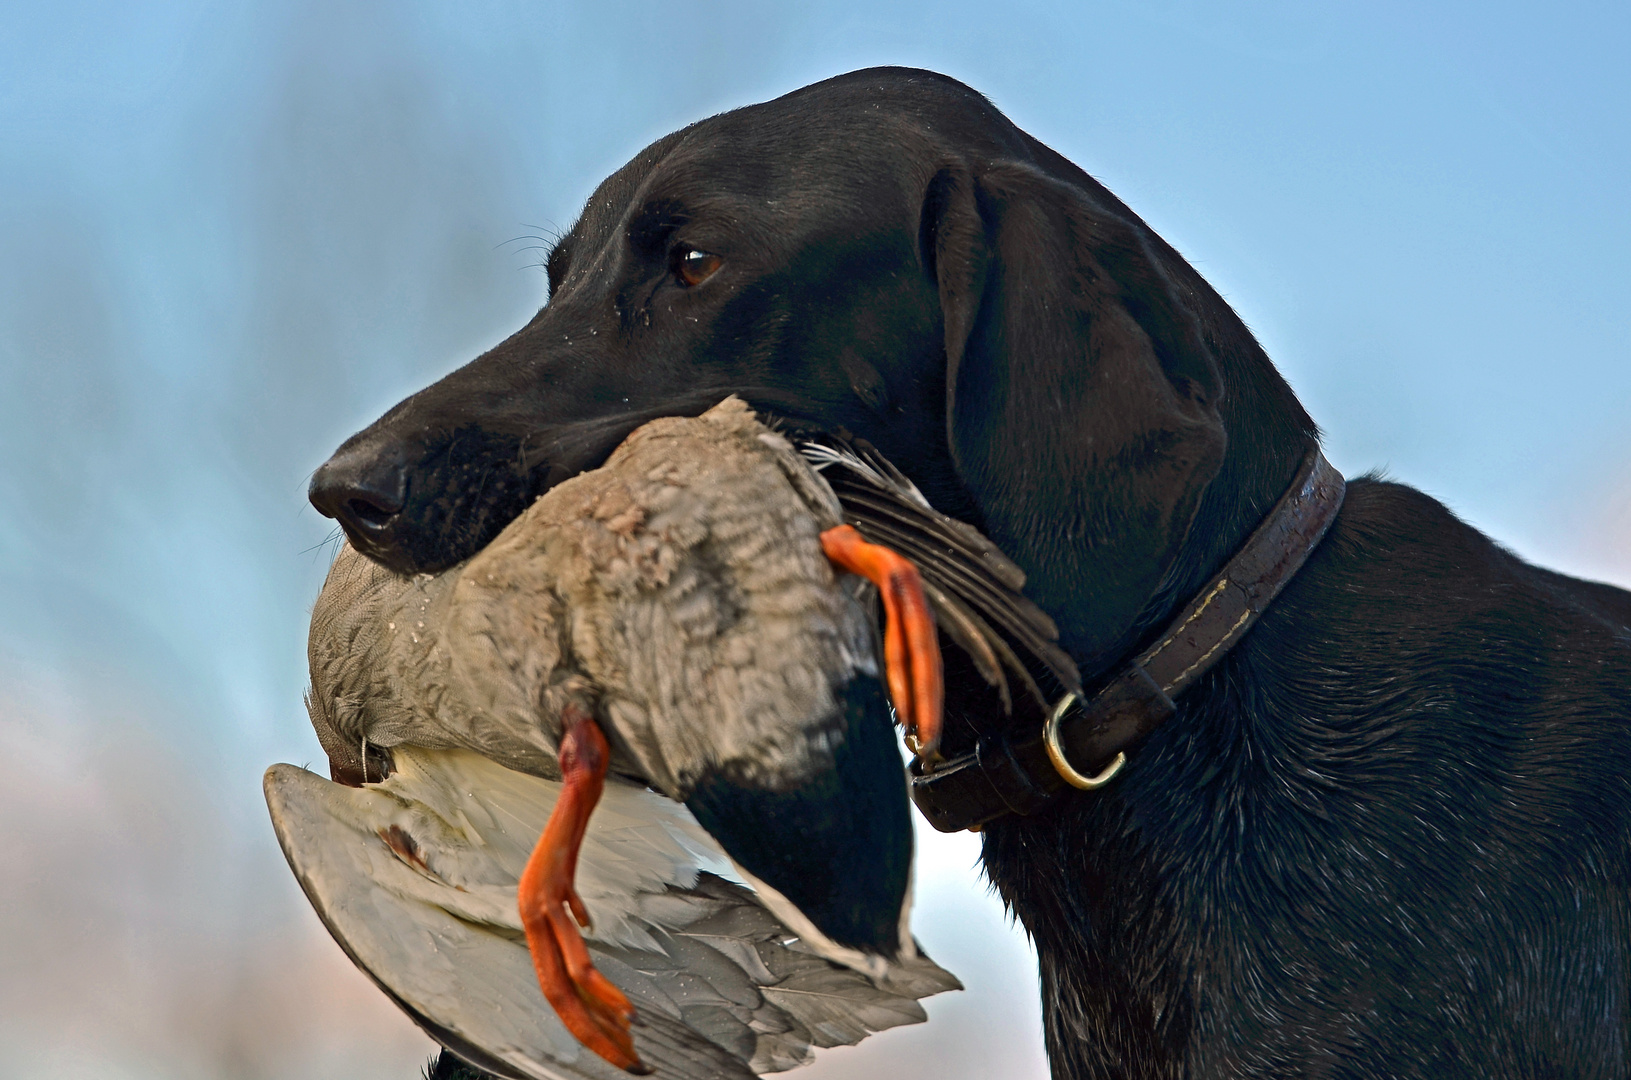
(1386, 836)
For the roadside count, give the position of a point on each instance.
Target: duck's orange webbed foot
(592, 1009)
(911, 648)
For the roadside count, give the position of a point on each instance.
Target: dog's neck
(1083, 875)
(1270, 435)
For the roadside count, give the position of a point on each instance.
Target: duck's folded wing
(976, 589)
(415, 877)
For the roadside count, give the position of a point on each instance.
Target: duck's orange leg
(911, 648)
(586, 1001)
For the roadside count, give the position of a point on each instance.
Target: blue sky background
(231, 234)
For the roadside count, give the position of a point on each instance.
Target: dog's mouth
(369, 528)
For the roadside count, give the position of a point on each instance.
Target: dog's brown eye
(693, 267)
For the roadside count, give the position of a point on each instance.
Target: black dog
(1387, 835)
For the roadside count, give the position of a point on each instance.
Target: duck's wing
(976, 589)
(416, 879)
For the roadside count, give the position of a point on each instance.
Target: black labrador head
(882, 252)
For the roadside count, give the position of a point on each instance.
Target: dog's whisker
(335, 537)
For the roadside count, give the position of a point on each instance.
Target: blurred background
(233, 233)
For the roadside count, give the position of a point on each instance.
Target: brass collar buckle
(1062, 765)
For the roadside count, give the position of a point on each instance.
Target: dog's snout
(419, 502)
(363, 492)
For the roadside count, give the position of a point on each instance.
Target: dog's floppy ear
(1082, 399)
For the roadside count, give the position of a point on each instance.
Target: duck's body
(673, 618)
(682, 589)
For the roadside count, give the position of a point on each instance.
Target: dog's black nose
(364, 492)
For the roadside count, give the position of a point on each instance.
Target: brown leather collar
(1085, 746)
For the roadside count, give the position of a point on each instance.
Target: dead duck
(680, 600)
